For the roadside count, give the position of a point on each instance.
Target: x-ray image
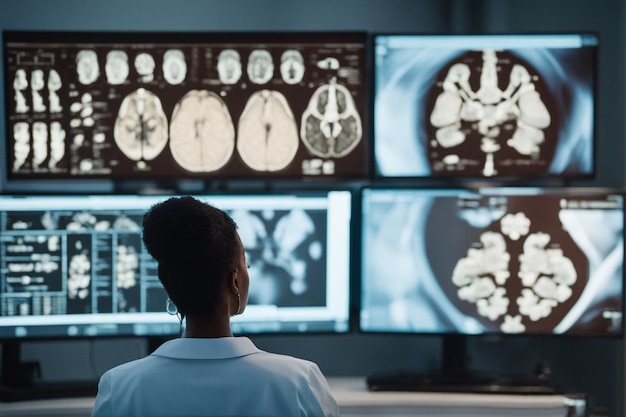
(438, 261)
(484, 106)
(285, 250)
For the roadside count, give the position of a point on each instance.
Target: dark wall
(591, 366)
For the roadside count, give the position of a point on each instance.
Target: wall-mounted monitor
(75, 266)
(179, 106)
(506, 261)
(507, 106)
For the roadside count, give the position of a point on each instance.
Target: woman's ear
(234, 283)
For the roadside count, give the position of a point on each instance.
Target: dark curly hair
(196, 247)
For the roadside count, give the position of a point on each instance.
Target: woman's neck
(207, 327)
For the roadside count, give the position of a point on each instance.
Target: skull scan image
(140, 129)
(260, 66)
(490, 113)
(331, 125)
(21, 145)
(202, 133)
(87, 66)
(145, 65)
(116, 67)
(37, 84)
(20, 83)
(229, 68)
(267, 132)
(292, 66)
(174, 66)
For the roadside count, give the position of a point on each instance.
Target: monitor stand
(18, 380)
(456, 376)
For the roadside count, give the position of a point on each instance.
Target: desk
(355, 400)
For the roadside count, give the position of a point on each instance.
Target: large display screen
(499, 261)
(485, 106)
(185, 105)
(75, 266)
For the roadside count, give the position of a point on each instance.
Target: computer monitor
(506, 106)
(75, 266)
(179, 106)
(505, 262)
(492, 261)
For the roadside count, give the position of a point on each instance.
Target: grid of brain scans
(484, 106)
(506, 261)
(97, 105)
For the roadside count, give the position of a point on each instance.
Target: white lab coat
(222, 377)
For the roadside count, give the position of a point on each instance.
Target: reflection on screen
(497, 261)
(484, 106)
(76, 265)
(152, 106)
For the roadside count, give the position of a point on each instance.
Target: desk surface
(354, 399)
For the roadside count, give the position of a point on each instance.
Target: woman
(207, 372)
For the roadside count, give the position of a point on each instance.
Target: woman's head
(197, 248)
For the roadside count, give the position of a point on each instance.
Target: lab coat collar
(206, 348)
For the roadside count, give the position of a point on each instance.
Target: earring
(238, 305)
(170, 307)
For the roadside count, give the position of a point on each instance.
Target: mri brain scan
(202, 134)
(267, 133)
(331, 125)
(141, 126)
(490, 106)
(260, 66)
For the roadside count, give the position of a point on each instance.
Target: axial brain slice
(202, 134)
(141, 126)
(331, 126)
(268, 136)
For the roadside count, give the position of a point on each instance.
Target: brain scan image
(21, 144)
(145, 65)
(285, 251)
(484, 112)
(141, 128)
(506, 264)
(331, 125)
(292, 66)
(507, 120)
(87, 66)
(174, 66)
(229, 67)
(267, 137)
(116, 67)
(202, 133)
(260, 66)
